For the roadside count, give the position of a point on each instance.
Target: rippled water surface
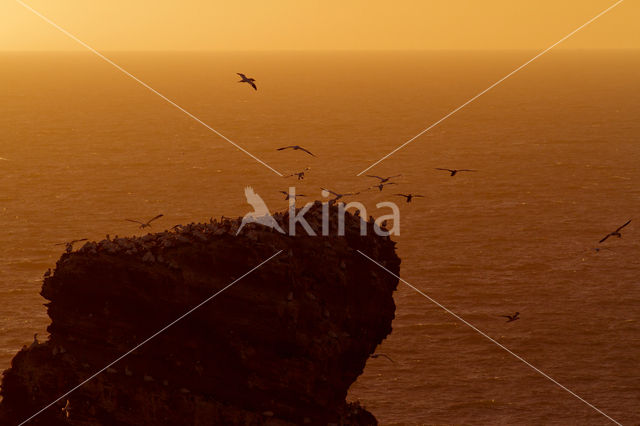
(558, 158)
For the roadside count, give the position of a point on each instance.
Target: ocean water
(557, 156)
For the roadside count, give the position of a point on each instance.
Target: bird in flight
(513, 317)
(69, 245)
(598, 249)
(299, 174)
(615, 233)
(384, 179)
(337, 195)
(145, 224)
(374, 356)
(245, 79)
(409, 197)
(454, 171)
(382, 185)
(295, 148)
(287, 195)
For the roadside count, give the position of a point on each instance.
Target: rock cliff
(279, 347)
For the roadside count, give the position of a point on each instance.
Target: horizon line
(518, 49)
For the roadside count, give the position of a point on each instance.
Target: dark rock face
(279, 347)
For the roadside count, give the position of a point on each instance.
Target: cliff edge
(279, 347)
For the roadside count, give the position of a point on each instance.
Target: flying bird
(297, 147)
(409, 197)
(287, 195)
(382, 185)
(513, 317)
(383, 179)
(299, 174)
(597, 249)
(245, 79)
(374, 356)
(69, 246)
(338, 196)
(260, 213)
(454, 171)
(145, 224)
(615, 233)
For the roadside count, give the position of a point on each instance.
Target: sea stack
(279, 347)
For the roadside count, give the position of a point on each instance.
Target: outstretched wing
(449, 170)
(377, 177)
(466, 170)
(78, 241)
(253, 84)
(285, 147)
(403, 195)
(604, 239)
(307, 151)
(155, 218)
(628, 222)
(242, 75)
(394, 176)
(135, 221)
(421, 196)
(330, 191)
(388, 357)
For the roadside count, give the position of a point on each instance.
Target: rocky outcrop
(281, 346)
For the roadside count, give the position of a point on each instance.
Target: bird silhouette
(384, 179)
(299, 174)
(455, 171)
(382, 185)
(260, 213)
(245, 79)
(598, 249)
(337, 195)
(409, 197)
(287, 195)
(295, 148)
(145, 224)
(69, 245)
(513, 317)
(374, 356)
(615, 233)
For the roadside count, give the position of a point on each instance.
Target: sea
(555, 151)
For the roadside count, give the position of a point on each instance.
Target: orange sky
(317, 25)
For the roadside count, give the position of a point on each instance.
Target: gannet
(454, 171)
(245, 79)
(296, 147)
